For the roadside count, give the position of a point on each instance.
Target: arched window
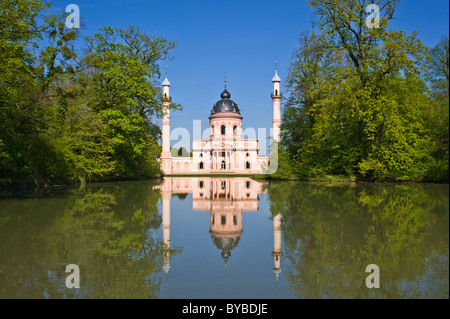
(200, 184)
(201, 166)
(247, 165)
(276, 92)
(248, 184)
(222, 129)
(235, 130)
(222, 166)
(212, 130)
(248, 154)
(201, 154)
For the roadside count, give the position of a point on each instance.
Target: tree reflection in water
(106, 229)
(324, 236)
(331, 232)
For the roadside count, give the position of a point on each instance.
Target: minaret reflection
(166, 194)
(225, 199)
(276, 253)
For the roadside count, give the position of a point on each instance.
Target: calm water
(226, 238)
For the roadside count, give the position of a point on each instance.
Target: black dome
(225, 104)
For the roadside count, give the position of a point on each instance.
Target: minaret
(276, 97)
(166, 162)
(276, 253)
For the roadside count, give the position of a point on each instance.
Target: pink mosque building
(225, 151)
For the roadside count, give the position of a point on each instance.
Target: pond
(234, 237)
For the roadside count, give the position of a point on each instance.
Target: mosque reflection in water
(225, 199)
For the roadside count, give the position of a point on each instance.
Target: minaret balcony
(279, 95)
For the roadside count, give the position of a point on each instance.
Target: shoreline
(24, 184)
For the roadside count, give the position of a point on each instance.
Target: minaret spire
(276, 78)
(166, 81)
(225, 80)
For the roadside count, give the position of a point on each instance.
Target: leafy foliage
(68, 117)
(359, 102)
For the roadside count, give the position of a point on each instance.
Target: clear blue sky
(242, 38)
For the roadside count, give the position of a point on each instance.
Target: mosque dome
(225, 105)
(225, 244)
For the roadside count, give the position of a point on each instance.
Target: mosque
(225, 151)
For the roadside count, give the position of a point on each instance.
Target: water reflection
(328, 234)
(107, 229)
(331, 232)
(225, 199)
(226, 238)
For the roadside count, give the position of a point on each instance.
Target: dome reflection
(225, 199)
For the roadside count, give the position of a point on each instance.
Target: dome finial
(225, 94)
(276, 78)
(166, 81)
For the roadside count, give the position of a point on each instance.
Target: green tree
(358, 101)
(126, 95)
(439, 121)
(58, 57)
(133, 149)
(19, 33)
(125, 70)
(70, 118)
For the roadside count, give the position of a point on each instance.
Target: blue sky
(242, 38)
